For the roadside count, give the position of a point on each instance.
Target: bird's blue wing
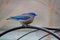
(19, 18)
(22, 17)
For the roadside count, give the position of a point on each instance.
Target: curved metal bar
(27, 34)
(10, 30)
(57, 29)
(31, 27)
(45, 36)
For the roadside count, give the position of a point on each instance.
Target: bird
(24, 18)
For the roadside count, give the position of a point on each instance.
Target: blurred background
(48, 12)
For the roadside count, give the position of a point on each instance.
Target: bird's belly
(27, 21)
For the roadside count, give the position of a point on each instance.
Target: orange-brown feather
(30, 20)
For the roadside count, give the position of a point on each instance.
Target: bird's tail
(10, 18)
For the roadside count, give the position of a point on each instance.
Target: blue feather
(19, 18)
(22, 16)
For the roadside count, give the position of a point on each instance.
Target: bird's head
(32, 14)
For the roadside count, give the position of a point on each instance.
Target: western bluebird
(24, 18)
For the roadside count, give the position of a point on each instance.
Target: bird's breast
(30, 20)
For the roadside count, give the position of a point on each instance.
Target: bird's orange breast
(30, 20)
